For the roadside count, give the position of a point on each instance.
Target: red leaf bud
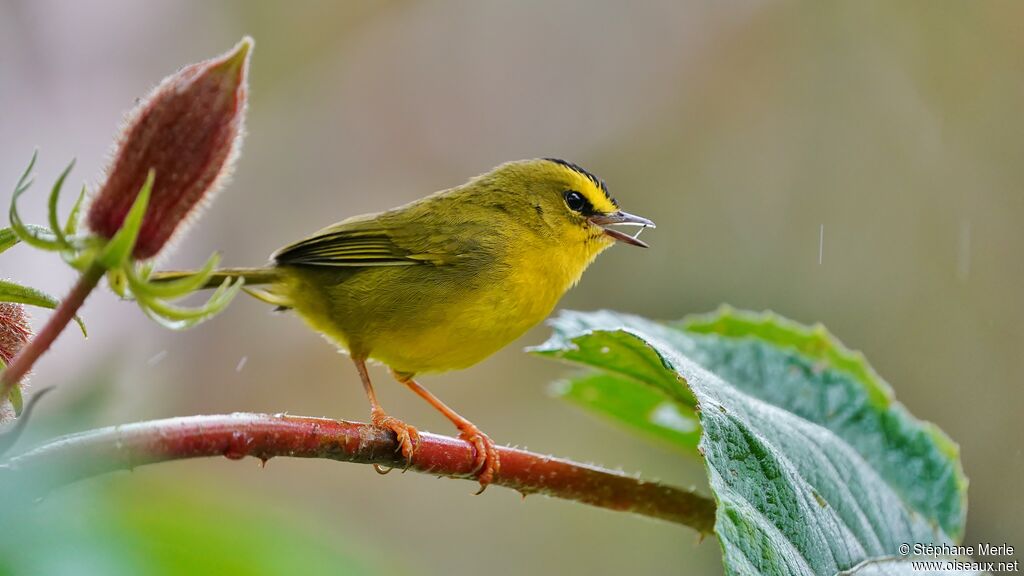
(189, 131)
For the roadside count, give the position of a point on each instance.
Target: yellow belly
(467, 330)
(419, 319)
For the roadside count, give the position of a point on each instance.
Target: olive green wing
(370, 241)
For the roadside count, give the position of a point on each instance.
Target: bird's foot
(408, 436)
(486, 461)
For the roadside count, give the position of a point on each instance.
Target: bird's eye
(575, 201)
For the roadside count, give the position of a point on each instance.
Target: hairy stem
(263, 436)
(62, 316)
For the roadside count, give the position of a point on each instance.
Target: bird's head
(565, 204)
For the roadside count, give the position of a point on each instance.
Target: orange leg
(408, 437)
(487, 462)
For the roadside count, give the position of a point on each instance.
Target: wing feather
(368, 241)
(341, 248)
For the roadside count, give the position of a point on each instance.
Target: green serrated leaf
(813, 470)
(642, 408)
(52, 207)
(633, 363)
(814, 342)
(119, 249)
(840, 391)
(11, 292)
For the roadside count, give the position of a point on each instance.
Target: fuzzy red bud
(189, 131)
(14, 330)
(14, 334)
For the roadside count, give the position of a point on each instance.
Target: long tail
(253, 276)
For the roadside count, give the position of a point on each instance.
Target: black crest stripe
(579, 170)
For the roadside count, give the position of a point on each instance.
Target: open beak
(623, 219)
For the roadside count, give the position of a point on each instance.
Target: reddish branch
(62, 316)
(263, 436)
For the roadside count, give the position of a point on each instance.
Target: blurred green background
(745, 129)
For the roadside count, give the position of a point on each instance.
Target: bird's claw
(408, 437)
(485, 456)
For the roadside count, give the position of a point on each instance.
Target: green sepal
(8, 237)
(119, 248)
(138, 280)
(30, 235)
(71, 225)
(15, 394)
(17, 401)
(117, 280)
(84, 254)
(180, 318)
(11, 292)
(55, 226)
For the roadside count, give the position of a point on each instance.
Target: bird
(445, 281)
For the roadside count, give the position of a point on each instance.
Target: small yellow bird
(444, 282)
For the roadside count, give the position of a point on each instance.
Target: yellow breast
(416, 322)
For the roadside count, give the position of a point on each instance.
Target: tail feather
(253, 276)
